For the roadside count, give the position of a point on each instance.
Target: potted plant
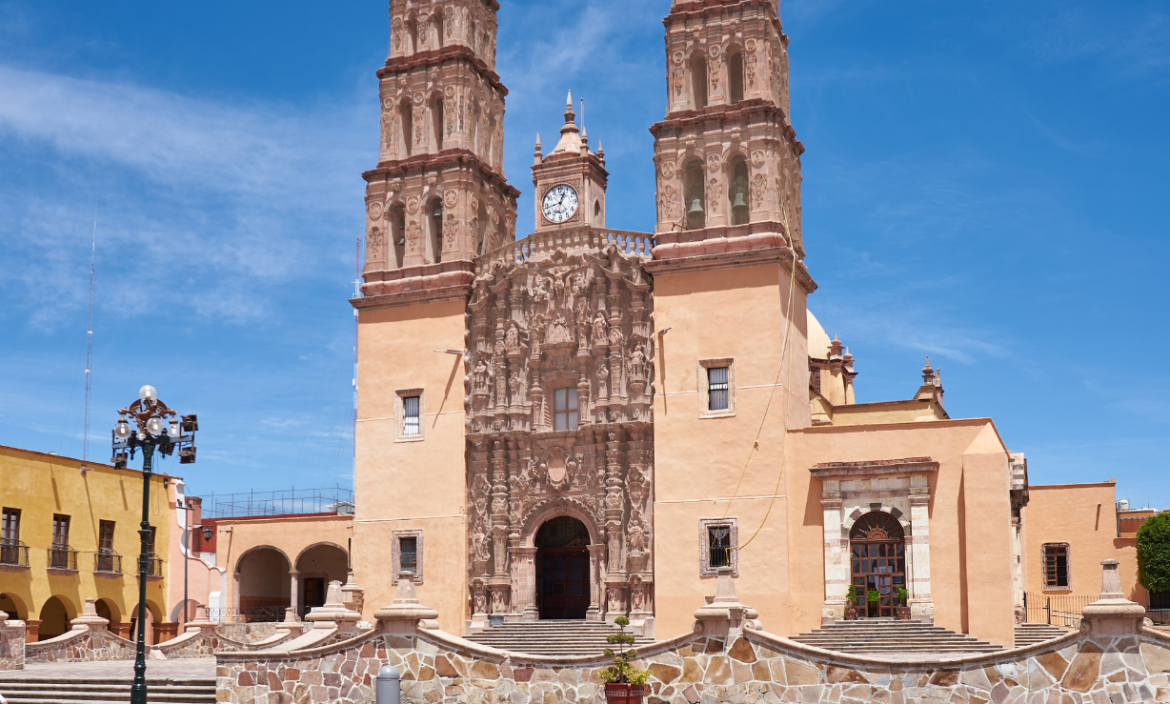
(873, 596)
(902, 610)
(624, 683)
(851, 603)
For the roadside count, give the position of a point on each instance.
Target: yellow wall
(1084, 516)
(418, 484)
(41, 485)
(736, 313)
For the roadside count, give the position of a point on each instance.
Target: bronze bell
(696, 207)
(740, 201)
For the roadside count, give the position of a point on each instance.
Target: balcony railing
(108, 562)
(13, 552)
(62, 557)
(154, 566)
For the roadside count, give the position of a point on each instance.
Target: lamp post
(148, 424)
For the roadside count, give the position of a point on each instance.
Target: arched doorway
(877, 546)
(264, 588)
(13, 606)
(54, 619)
(317, 566)
(153, 615)
(562, 568)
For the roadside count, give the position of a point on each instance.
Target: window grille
(717, 388)
(565, 409)
(408, 554)
(410, 415)
(1056, 565)
(719, 540)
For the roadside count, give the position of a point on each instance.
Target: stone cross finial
(1113, 614)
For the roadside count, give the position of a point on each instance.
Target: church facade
(589, 422)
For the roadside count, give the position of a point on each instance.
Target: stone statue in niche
(515, 388)
(558, 331)
(499, 601)
(512, 340)
(600, 328)
(602, 378)
(481, 603)
(638, 362)
(479, 545)
(481, 377)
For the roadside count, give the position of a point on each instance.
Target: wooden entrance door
(877, 549)
(564, 582)
(562, 574)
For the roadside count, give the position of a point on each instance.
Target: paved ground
(155, 669)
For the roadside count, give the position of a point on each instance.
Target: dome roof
(818, 342)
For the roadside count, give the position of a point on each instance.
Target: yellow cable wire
(784, 419)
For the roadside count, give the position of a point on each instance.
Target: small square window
(407, 555)
(410, 407)
(565, 409)
(718, 539)
(716, 388)
(410, 420)
(1056, 572)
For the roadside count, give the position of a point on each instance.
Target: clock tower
(569, 182)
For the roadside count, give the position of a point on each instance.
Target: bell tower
(438, 193)
(570, 182)
(435, 201)
(730, 288)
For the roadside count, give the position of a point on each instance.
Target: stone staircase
(1033, 633)
(891, 636)
(552, 637)
(104, 690)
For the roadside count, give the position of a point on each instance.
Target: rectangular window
(565, 409)
(719, 542)
(105, 536)
(1056, 566)
(410, 415)
(150, 541)
(10, 528)
(60, 531)
(717, 397)
(408, 554)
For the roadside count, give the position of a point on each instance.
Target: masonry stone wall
(11, 643)
(742, 669)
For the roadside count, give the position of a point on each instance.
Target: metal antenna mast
(88, 353)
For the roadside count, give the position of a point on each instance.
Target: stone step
(553, 637)
(891, 636)
(1033, 633)
(44, 690)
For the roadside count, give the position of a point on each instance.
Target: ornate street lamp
(149, 425)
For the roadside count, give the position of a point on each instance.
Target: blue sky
(984, 183)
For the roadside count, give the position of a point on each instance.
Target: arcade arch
(316, 567)
(55, 616)
(263, 589)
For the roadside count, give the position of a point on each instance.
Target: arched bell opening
(406, 120)
(562, 568)
(738, 195)
(735, 76)
(398, 234)
(437, 27)
(699, 80)
(694, 198)
(437, 121)
(435, 230)
(877, 548)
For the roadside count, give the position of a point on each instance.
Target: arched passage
(877, 548)
(263, 589)
(107, 609)
(317, 566)
(562, 572)
(153, 616)
(13, 606)
(55, 617)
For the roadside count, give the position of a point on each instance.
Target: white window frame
(703, 380)
(400, 397)
(705, 524)
(396, 554)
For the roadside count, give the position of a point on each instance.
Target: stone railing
(12, 635)
(572, 240)
(727, 657)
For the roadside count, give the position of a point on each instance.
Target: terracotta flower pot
(902, 613)
(626, 693)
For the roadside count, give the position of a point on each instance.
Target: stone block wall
(749, 668)
(12, 635)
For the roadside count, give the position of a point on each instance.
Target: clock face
(559, 203)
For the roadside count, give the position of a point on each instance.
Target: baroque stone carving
(555, 327)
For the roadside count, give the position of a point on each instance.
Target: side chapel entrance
(562, 568)
(877, 545)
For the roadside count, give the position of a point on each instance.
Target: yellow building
(69, 535)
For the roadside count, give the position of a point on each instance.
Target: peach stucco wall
(970, 516)
(731, 313)
(1084, 516)
(413, 484)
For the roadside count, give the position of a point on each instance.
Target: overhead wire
(784, 354)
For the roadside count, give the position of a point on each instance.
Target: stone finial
(201, 622)
(353, 596)
(724, 615)
(927, 373)
(405, 613)
(1113, 614)
(334, 613)
(89, 619)
(291, 621)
